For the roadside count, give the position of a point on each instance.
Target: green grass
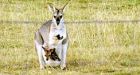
(95, 48)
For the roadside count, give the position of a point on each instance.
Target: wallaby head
(57, 14)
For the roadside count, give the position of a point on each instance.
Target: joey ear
(52, 50)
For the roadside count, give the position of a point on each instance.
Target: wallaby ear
(63, 8)
(51, 7)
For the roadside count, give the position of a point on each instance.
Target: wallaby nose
(59, 37)
(57, 21)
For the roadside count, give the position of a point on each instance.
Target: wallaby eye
(61, 16)
(54, 16)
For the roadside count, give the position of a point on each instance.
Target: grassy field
(95, 48)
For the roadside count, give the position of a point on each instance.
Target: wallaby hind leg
(40, 55)
(39, 50)
(64, 53)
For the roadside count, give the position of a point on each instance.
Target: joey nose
(59, 37)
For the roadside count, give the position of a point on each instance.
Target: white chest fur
(53, 40)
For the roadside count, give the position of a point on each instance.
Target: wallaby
(53, 34)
